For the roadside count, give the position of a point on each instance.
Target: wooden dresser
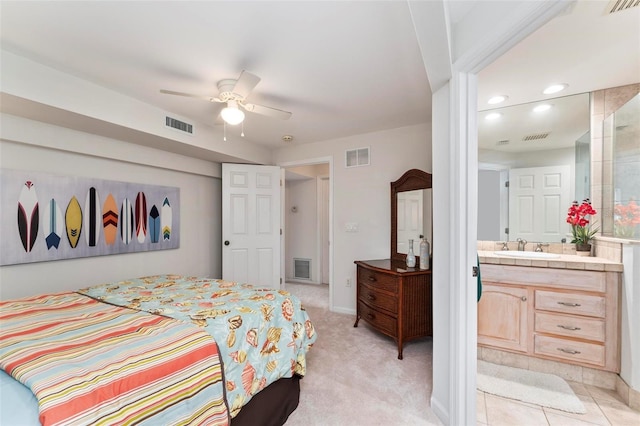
(394, 299)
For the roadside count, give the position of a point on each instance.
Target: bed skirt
(272, 405)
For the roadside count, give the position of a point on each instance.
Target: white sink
(527, 254)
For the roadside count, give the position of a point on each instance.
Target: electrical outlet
(348, 282)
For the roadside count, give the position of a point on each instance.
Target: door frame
(310, 162)
(320, 205)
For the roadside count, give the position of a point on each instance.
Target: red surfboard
(141, 217)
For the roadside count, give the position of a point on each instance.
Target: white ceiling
(342, 68)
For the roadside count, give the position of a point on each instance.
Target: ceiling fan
(233, 93)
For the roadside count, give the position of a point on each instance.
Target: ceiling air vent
(179, 125)
(503, 142)
(357, 157)
(536, 137)
(618, 5)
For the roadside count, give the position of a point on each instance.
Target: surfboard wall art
(110, 219)
(73, 219)
(53, 224)
(28, 215)
(70, 216)
(126, 221)
(141, 217)
(154, 224)
(166, 219)
(92, 217)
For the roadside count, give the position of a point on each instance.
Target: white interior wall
(29, 145)
(362, 196)
(301, 225)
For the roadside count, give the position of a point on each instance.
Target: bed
(260, 340)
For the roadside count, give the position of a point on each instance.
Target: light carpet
(354, 376)
(533, 387)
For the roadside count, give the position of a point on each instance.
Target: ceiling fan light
(232, 114)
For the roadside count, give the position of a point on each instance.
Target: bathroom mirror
(410, 212)
(533, 160)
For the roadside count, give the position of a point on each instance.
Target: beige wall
(361, 195)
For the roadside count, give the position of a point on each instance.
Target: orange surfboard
(110, 220)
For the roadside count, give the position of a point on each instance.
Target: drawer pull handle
(569, 304)
(569, 327)
(371, 297)
(372, 279)
(371, 316)
(569, 351)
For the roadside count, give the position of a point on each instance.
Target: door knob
(226, 243)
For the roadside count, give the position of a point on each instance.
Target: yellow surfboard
(73, 221)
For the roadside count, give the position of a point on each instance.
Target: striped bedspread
(89, 362)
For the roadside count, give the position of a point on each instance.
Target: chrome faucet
(521, 244)
(539, 247)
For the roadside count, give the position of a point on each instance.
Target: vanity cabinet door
(503, 316)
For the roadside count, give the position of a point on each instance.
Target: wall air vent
(179, 125)
(357, 157)
(536, 137)
(503, 142)
(302, 269)
(618, 5)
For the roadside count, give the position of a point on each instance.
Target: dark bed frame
(271, 406)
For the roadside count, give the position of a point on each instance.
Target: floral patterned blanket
(263, 334)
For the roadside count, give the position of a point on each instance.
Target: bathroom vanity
(565, 309)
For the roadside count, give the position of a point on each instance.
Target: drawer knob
(371, 316)
(371, 296)
(523, 298)
(569, 327)
(569, 304)
(569, 351)
(372, 278)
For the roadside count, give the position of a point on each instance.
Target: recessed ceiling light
(493, 116)
(497, 99)
(555, 88)
(542, 107)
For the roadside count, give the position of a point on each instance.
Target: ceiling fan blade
(268, 111)
(189, 95)
(245, 84)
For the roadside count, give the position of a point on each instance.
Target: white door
(251, 224)
(410, 221)
(538, 201)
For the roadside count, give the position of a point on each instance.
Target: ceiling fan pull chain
(242, 132)
(225, 132)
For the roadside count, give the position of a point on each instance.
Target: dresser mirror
(411, 216)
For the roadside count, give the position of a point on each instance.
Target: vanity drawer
(377, 299)
(378, 280)
(385, 323)
(572, 326)
(591, 353)
(571, 303)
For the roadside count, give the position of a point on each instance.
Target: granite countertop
(564, 261)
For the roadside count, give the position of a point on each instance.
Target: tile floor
(604, 407)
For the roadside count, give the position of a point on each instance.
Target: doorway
(307, 222)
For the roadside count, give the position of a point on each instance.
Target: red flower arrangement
(577, 218)
(627, 217)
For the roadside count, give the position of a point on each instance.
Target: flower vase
(411, 257)
(583, 249)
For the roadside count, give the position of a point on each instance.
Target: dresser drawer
(385, 323)
(571, 303)
(591, 353)
(378, 280)
(377, 299)
(572, 326)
